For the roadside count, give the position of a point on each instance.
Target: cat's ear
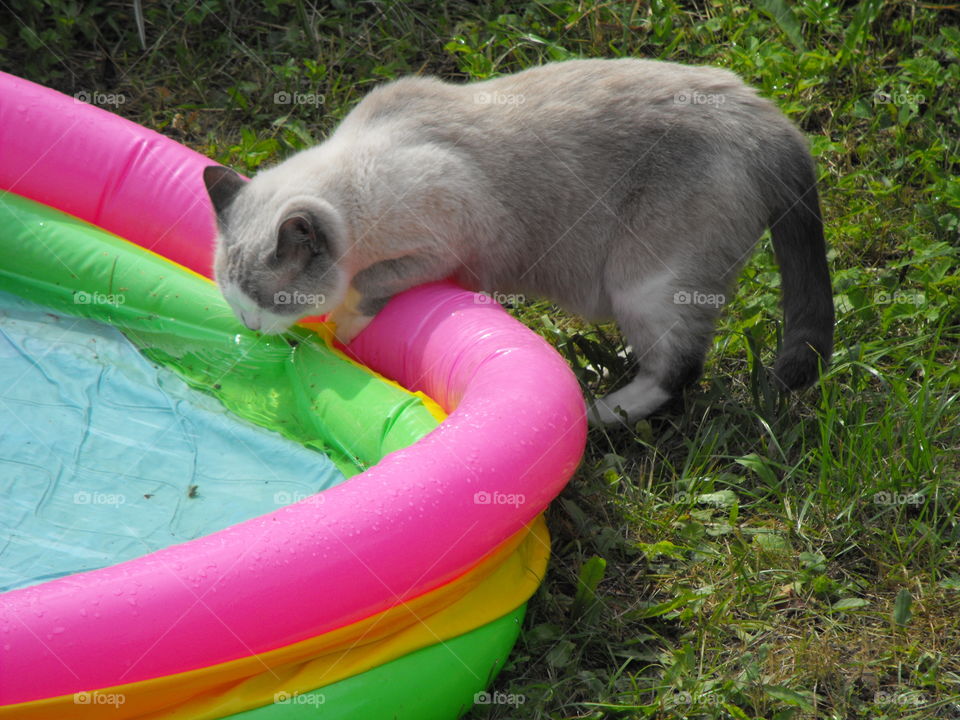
(296, 240)
(223, 184)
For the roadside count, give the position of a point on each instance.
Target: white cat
(624, 189)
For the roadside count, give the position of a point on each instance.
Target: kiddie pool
(397, 593)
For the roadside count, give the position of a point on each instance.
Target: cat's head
(276, 257)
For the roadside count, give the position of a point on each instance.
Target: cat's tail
(798, 242)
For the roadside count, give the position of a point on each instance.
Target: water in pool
(105, 457)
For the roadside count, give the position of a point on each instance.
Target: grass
(743, 555)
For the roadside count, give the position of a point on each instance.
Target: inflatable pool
(354, 528)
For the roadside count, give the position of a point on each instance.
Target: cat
(625, 189)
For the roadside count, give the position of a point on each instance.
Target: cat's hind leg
(670, 335)
(641, 397)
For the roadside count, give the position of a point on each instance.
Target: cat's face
(274, 264)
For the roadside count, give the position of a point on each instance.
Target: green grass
(743, 555)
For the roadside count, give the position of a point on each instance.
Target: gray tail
(801, 252)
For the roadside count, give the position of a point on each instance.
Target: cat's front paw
(348, 325)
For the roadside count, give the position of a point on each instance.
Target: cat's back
(582, 98)
(401, 102)
(617, 78)
(629, 93)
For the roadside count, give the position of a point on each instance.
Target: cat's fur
(616, 188)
